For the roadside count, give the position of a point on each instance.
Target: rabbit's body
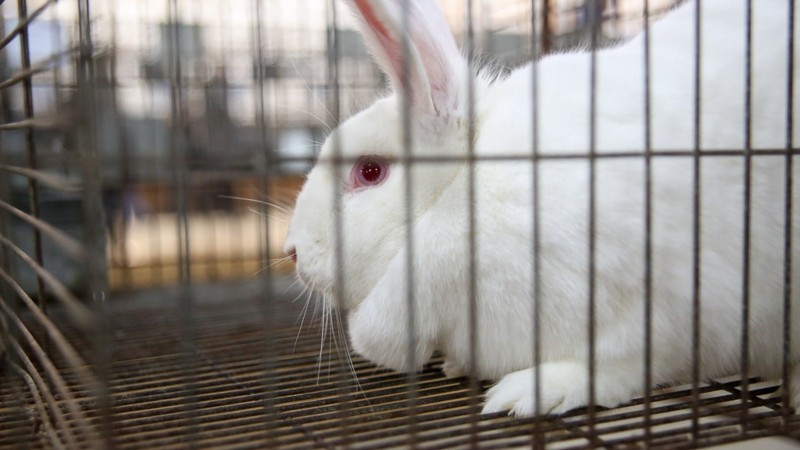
(375, 256)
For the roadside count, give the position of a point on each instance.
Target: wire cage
(150, 153)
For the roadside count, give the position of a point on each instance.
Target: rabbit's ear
(435, 68)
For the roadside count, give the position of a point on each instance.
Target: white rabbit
(357, 191)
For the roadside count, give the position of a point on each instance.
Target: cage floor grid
(233, 377)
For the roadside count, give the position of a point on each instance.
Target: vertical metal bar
(178, 144)
(537, 436)
(178, 149)
(125, 161)
(696, 227)
(263, 168)
(594, 22)
(408, 161)
(239, 262)
(648, 227)
(788, 210)
(546, 38)
(8, 333)
(5, 177)
(747, 156)
(472, 289)
(93, 224)
(58, 55)
(334, 105)
(155, 272)
(31, 151)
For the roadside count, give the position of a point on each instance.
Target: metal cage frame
(221, 364)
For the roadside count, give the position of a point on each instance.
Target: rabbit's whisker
(260, 202)
(309, 114)
(300, 147)
(307, 293)
(294, 283)
(302, 316)
(278, 218)
(349, 357)
(326, 318)
(314, 141)
(316, 99)
(277, 262)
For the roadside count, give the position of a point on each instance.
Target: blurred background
(202, 111)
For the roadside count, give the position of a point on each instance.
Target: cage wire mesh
(149, 155)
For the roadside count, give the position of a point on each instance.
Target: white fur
(374, 234)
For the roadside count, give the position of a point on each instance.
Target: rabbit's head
(353, 213)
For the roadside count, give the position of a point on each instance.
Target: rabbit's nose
(293, 254)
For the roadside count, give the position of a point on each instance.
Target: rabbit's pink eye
(369, 171)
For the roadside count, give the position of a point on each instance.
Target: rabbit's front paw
(563, 386)
(452, 369)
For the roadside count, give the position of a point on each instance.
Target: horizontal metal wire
(37, 67)
(47, 179)
(54, 379)
(23, 124)
(44, 412)
(75, 362)
(70, 246)
(234, 169)
(599, 155)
